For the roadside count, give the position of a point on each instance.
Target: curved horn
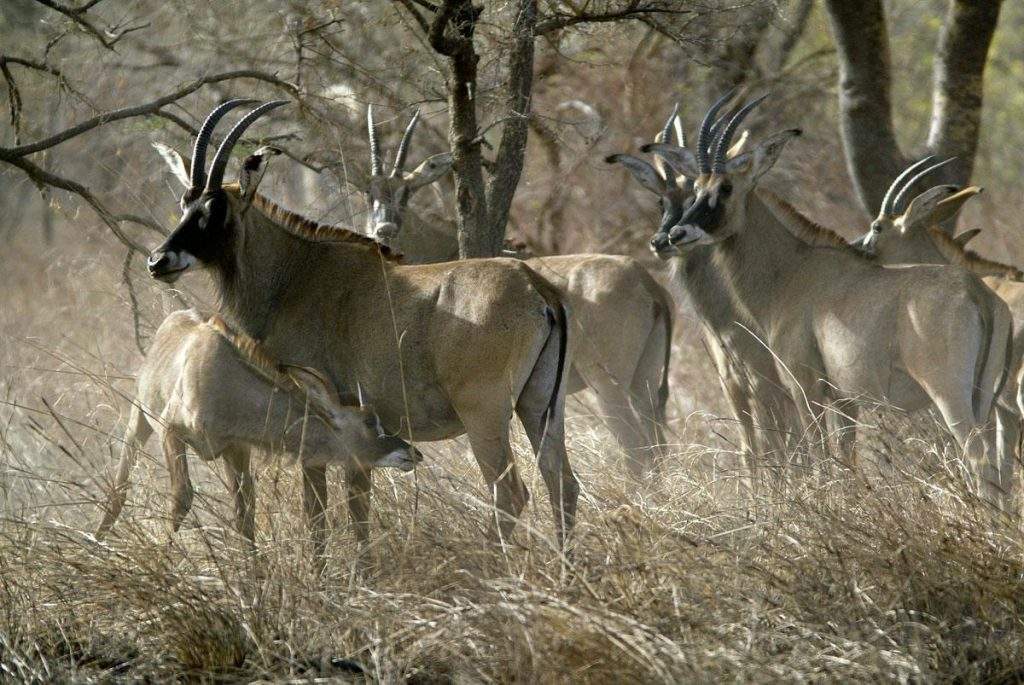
(371, 128)
(703, 137)
(729, 131)
(666, 132)
(403, 146)
(910, 184)
(890, 194)
(197, 174)
(220, 160)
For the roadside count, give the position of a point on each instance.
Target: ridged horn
(220, 160)
(725, 138)
(890, 194)
(197, 174)
(905, 190)
(371, 129)
(403, 146)
(704, 138)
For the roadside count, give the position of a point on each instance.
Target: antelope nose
(157, 262)
(387, 231)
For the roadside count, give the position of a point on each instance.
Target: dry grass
(841, 576)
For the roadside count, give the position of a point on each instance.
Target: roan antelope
(622, 317)
(841, 326)
(439, 350)
(745, 368)
(915, 232)
(220, 393)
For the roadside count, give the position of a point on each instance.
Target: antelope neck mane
(802, 228)
(310, 230)
(971, 260)
(251, 352)
(255, 355)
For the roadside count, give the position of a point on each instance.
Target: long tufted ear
(966, 237)
(763, 157)
(318, 388)
(253, 168)
(176, 162)
(431, 169)
(948, 208)
(681, 159)
(922, 209)
(642, 170)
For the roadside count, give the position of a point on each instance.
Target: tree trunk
(958, 83)
(471, 199)
(873, 156)
(508, 165)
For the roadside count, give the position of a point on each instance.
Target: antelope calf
(220, 393)
(841, 326)
(622, 317)
(439, 350)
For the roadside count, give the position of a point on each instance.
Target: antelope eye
(726, 189)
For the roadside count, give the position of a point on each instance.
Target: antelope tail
(561, 320)
(991, 369)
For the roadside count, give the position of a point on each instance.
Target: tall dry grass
(894, 571)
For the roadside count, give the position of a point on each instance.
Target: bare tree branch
(149, 109)
(636, 10)
(411, 9)
(107, 37)
(43, 178)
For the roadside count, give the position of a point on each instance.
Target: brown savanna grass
(893, 572)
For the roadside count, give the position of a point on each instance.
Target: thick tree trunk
(508, 165)
(873, 156)
(451, 34)
(865, 103)
(959, 79)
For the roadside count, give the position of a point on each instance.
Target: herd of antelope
(334, 346)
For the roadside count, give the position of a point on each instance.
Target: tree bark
(873, 156)
(508, 165)
(451, 34)
(958, 83)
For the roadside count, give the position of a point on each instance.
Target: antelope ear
(681, 159)
(317, 386)
(921, 212)
(253, 168)
(756, 162)
(431, 169)
(951, 206)
(966, 237)
(177, 164)
(642, 171)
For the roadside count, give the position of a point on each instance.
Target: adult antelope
(622, 317)
(841, 326)
(439, 350)
(917, 231)
(220, 393)
(746, 369)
